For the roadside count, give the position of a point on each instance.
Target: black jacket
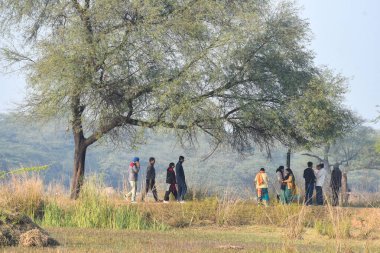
(336, 179)
(309, 176)
(150, 172)
(170, 176)
(180, 174)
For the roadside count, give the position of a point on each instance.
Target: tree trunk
(80, 147)
(79, 165)
(288, 156)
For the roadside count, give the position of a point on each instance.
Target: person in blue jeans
(309, 177)
(181, 181)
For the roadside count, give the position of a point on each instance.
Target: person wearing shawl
(261, 182)
(290, 189)
(280, 175)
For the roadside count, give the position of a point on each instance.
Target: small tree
(239, 71)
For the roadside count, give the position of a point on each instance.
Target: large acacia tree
(237, 70)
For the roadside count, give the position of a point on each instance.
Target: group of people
(288, 191)
(175, 180)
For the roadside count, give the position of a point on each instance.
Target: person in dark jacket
(151, 178)
(181, 181)
(310, 178)
(335, 184)
(170, 183)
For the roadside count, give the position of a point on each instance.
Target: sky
(346, 38)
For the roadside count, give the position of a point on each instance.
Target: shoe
(166, 202)
(133, 202)
(182, 202)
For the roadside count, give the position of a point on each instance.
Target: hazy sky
(346, 38)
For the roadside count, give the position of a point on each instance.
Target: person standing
(134, 168)
(320, 174)
(261, 182)
(335, 184)
(170, 183)
(309, 177)
(280, 178)
(290, 189)
(181, 180)
(151, 179)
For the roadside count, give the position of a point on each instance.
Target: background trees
(239, 71)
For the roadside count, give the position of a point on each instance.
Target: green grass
(206, 239)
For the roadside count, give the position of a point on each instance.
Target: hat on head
(136, 159)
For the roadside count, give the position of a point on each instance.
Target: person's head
(310, 165)
(336, 167)
(152, 160)
(181, 159)
(136, 161)
(171, 165)
(281, 168)
(289, 171)
(318, 167)
(262, 170)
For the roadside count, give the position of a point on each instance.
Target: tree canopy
(240, 71)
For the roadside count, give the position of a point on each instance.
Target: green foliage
(236, 70)
(3, 174)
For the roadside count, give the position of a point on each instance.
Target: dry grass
(22, 193)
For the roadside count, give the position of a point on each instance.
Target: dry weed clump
(34, 238)
(18, 229)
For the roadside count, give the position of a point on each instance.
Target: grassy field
(205, 239)
(97, 222)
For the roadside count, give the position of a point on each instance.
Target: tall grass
(22, 193)
(94, 209)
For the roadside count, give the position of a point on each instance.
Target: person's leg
(319, 196)
(288, 196)
(179, 196)
(134, 190)
(282, 196)
(266, 197)
(129, 194)
(167, 192)
(309, 194)
(174, 191)
(154, 190)
(335, 196)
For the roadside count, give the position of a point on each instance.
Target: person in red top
(170, 183)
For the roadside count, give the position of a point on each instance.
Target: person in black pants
(170, 183)
(335, 184)
(151, 178)
(181, 181)
(309, 177)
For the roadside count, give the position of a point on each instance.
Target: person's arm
(290, 178)
(135, 169)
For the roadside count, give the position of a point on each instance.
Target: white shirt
(321, 176)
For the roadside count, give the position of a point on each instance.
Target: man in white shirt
(320, 174)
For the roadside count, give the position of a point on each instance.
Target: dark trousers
(151, 185)
(182, 189)
(319, 197)
(335, 196)
(172, 189)
(309, 188)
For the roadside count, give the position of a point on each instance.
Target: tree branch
(314, 156)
